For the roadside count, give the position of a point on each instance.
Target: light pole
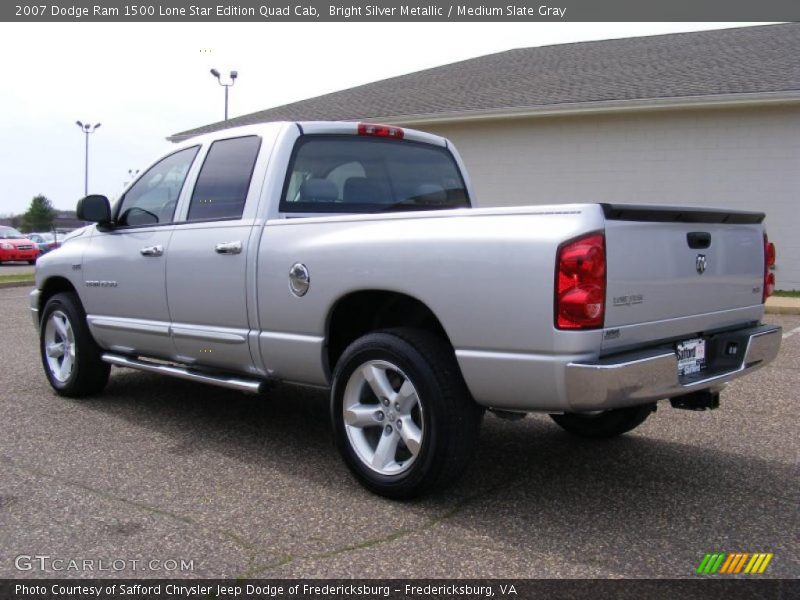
(87, 129)
(233, 76)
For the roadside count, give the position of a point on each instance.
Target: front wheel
(605, 424)
(70, 356)
(404, 421)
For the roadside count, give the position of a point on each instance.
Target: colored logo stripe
(758, 564)
(731, 560)
(710, 563)
(733, 563)
(703, 563)
(741, 562)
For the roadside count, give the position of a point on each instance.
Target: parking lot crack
(375, 542)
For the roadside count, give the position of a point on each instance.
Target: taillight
(769, 262)
(384, 131)
(581, 283)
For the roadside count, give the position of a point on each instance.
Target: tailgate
(676, 272)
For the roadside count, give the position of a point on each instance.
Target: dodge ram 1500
(349, 256)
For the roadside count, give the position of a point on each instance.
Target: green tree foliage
(39, 216)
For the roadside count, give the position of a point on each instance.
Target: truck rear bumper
(645, 376)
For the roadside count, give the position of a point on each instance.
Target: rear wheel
(31, 262)
(70, 356)
(605, 424)
(403, 419)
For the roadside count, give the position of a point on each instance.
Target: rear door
(208, 259)
(678, 272)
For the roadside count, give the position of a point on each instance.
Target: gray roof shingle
(728, 61)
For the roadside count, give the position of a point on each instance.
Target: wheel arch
(52, 286)
(360, 312)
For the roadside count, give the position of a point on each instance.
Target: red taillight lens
(769, 285)
(383, 131)
(769, 263)
(581, 283)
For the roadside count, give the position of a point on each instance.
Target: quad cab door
(124, 268)
(207, 267)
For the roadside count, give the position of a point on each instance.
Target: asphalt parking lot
(162, 469)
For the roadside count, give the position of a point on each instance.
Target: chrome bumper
(33, 298)
(641, 377)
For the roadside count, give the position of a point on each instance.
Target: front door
(207, 266)
(124, 268)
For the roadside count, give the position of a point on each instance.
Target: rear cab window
(224, 179)
(350, 174)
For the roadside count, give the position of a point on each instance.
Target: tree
(9, 220)
(39, 216)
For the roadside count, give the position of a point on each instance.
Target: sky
(143, 82)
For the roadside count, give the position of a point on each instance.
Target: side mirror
(94, 208)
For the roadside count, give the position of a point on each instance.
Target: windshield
(9, 233)
(332, 173)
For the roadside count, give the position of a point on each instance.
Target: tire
(609, 423)
(31, 262)
(418, 433)
(63, 329)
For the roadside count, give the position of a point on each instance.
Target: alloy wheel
(59, 346)
(383, 417)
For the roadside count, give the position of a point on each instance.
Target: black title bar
(700, 588)
(375, 11)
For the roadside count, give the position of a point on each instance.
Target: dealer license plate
(691, 356)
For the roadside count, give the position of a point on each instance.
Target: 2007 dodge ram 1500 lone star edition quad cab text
(348, 256)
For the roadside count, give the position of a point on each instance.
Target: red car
(15, 246)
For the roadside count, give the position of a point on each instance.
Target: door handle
(152, 250)
(228, 248)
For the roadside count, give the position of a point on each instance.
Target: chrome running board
(226, 381)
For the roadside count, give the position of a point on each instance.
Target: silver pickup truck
(348, 256)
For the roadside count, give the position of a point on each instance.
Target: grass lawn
(787, 293)
(16, 277)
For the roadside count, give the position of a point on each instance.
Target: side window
(153, 198)
(221, 188)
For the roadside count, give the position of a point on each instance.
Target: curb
(15, 284)
(782, 310)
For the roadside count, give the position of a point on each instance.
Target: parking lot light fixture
(232, 77)
(87, 128)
